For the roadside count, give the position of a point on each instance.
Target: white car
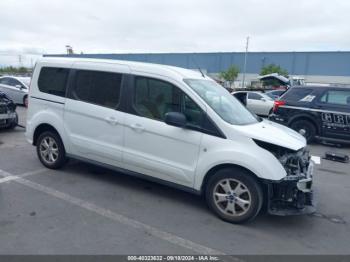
(170, 125)
(15, 88)
(259, 103)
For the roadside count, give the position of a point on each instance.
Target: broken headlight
(295, 163)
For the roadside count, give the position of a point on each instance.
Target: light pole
(245, 61)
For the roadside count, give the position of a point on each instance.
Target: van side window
(100, 88)
(53, 80)
(154, 98)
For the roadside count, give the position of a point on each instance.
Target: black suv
(321, 112)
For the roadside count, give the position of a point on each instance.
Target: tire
(25, 101)
(242, 204)
(306, 127)
(56, 154)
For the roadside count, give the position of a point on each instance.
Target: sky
(30, 28)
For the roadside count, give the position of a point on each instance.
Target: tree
(230, 75)
(272, 68)
(14, 70)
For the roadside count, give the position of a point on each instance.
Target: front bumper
(291, 196)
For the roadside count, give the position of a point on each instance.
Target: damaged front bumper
(292, 195)
(8, 115)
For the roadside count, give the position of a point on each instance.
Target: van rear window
(53, 80)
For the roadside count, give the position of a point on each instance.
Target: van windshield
(222, 102)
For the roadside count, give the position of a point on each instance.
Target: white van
(169, 125)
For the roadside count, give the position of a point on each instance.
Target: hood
(276, 76)
(273, 133)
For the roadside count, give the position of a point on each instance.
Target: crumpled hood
(273, 133)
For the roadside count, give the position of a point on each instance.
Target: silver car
(256, 102)
(16, 88)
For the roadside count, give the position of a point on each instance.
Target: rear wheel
(234, 195)
(305, 128)
(50, 150)
(25, 101)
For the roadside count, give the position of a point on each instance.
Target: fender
(249, 155)
(52, 116)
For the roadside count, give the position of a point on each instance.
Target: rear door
(257, 104)
(93, 120)
(334, 106)
(17, 89)
(7, 85)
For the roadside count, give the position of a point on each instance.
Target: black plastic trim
(48, 100)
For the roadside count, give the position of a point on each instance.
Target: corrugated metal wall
(297, 63)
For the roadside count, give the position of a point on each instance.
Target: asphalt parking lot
(83, 209)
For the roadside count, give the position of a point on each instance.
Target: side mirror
(19, 87)
(263, 99)
(175, 119)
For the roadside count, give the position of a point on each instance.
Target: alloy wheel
(49, 150)
(232, 197)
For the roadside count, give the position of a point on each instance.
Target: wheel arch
(43, 128)
(304, 117)
(24, 98)
(216, 168)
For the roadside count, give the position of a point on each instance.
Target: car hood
(273, 133)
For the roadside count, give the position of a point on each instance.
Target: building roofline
(202, 53)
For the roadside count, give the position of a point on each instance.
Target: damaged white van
(168, 125)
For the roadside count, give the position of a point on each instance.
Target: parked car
(15, 88)
(257, 102)
(321, 112)
(275, 94)
(169, 125)
(8, 115)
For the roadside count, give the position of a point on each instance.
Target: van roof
(165, 70)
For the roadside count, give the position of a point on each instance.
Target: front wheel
(50, 150)
(234, 195)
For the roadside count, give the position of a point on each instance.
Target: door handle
(111, 120)
(137, 127)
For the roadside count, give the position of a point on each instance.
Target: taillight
(277, 104)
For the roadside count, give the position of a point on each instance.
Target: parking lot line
(9, 177)
(171, 238)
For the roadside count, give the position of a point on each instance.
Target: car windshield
(25, 80)
(222, 102)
